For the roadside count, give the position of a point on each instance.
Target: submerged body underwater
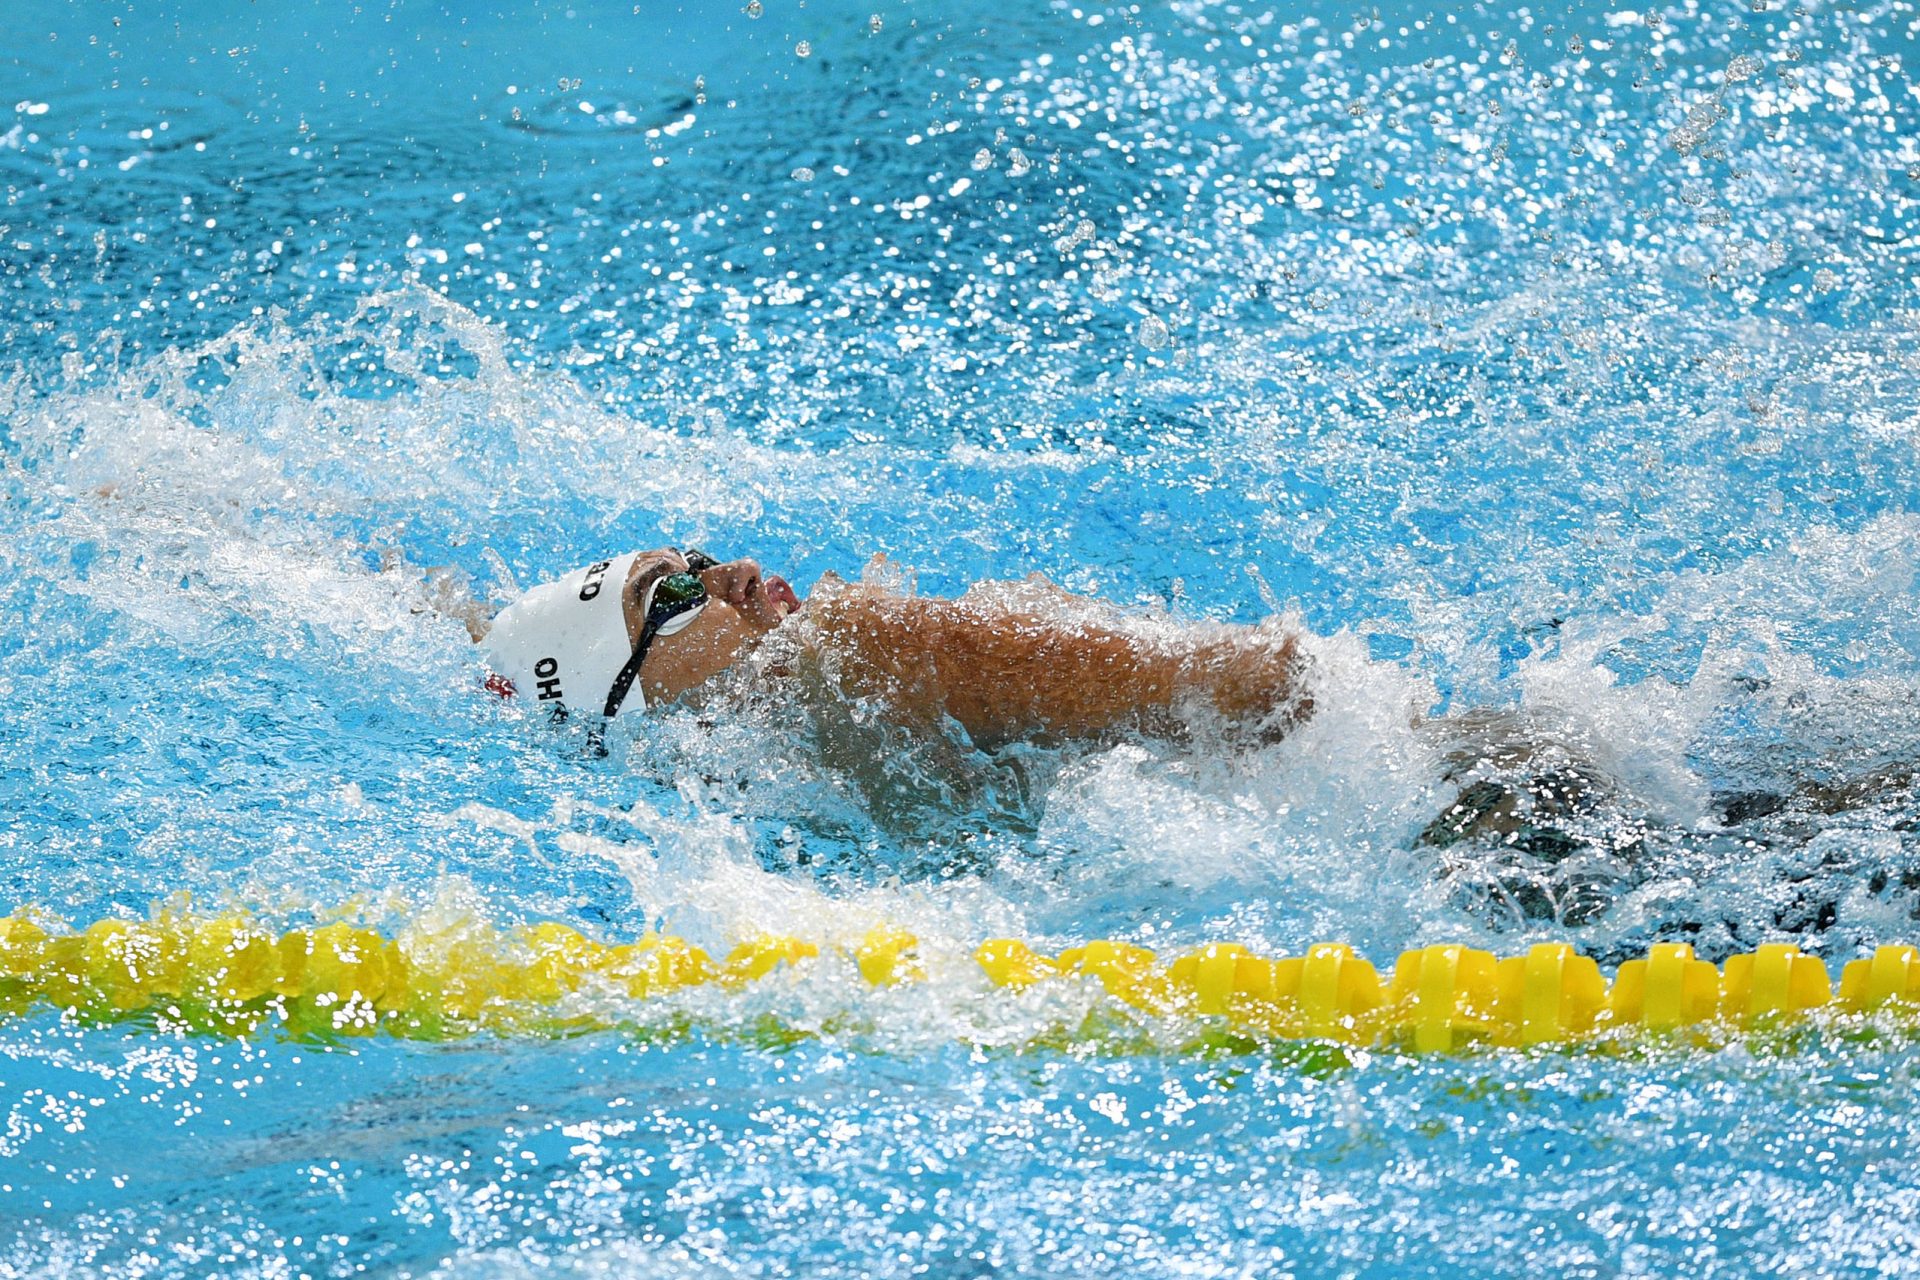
(1552, 374)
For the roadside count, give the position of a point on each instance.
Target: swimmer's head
(598, 637)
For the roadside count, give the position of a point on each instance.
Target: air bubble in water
(803, 49)
(1152, 333)
(1744, 67)
(1017, 162)
(982, 159)
(874, 24)
(754, 8)
(803, 174)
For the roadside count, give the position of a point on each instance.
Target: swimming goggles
(671, 604)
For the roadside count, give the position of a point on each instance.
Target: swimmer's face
(747, 604)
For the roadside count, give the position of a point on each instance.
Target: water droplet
(1576, 46)
(874, 24)
(804, 49)
(1152, 333)
(1825, 281)
(1913, 171)
(700, 91)
(1081, 233)
(755, 8)
(1017, 162)
(803, 174)
(982, 159)
(1744, 67)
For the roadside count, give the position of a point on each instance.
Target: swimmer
(1006, 661)
(1539, 828)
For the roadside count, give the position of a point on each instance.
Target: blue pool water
(1557, 363)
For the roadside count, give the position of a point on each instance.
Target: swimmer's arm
(1005, 674)
(441, 589)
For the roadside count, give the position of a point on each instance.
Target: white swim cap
(564, 644)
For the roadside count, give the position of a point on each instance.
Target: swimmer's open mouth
(784, 598)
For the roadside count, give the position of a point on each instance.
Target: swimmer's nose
(782, 594)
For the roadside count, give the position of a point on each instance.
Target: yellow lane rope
(230, 974)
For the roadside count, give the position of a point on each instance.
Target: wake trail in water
(233, 503)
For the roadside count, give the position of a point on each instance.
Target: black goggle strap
(673, 595)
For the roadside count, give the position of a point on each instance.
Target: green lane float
(233, 975)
